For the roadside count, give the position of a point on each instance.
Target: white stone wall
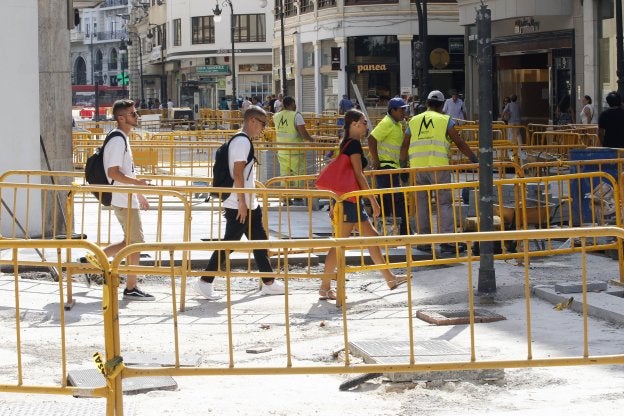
(19, 105)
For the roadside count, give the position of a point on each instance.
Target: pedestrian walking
(242, 212)
(611, 122)
(356, 127)
(345, 104)
(588, 112)
(384, 146)
(426, 143)
(119, 168)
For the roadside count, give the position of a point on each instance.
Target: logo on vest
(426, 124)
(283, 122)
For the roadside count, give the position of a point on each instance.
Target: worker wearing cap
(427, 142)
(290, 131)
(384, 145)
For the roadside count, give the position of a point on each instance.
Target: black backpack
(94, 169)
(221, 177)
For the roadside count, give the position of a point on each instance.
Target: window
(177, 32)
(250, 28)
(326, 3)
(202, 30)
(112, 61)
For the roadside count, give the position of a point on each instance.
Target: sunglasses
(133, 114)
(264, 123)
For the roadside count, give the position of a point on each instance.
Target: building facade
(99, 52)
(545, 52)
(330, 46)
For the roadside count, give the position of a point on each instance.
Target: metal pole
(233, 32)
(141, 70)
(283, 47)
(619, 39)
(425, 46)
(487, 277)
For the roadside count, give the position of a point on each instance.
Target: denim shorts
(350, 212)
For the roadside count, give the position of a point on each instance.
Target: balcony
(112, 35)
(75, 36)
(114, 3)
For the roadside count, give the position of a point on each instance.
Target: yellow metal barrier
(64, 351)
(232, 365)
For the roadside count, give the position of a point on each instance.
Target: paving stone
(570, 287)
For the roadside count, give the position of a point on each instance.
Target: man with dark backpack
(243, 214)
(119, 168)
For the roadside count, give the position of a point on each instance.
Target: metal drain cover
(92, 378)
(457, 316)
(397, 352)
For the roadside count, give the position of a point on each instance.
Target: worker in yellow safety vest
(290, 131)
(427, 141)
(384, 146)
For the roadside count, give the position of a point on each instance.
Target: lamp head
(217, 13)
(263, 3)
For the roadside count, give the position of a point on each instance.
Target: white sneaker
(207, 290)
(275, 288)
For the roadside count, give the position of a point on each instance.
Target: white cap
(436, 95)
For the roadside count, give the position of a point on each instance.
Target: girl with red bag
(355, 126)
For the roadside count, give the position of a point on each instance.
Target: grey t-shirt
(514, 112)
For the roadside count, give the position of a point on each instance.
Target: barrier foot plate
(69, 305)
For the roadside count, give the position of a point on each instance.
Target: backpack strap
(251, 157)
(114, 133)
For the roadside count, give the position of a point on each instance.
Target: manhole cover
(457, 316)
(91, 378)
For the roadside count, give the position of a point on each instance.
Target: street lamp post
(163, 75)
(217, 18)
(283, 47)
(123, 49)
(142, 89)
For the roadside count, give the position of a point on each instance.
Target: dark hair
(614, 99)
(121, 105)
(254, 111)
(288, 101)
(588, 98)
(351, 116)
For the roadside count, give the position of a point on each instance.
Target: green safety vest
(285, 129)
(388, 145)
(429, 145)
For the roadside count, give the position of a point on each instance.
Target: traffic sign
(122, 79)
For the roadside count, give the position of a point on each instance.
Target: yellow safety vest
(389, 144)
(285, 129)
(429, 145)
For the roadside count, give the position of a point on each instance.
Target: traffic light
(418, 54)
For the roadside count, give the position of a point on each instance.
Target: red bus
(84, 95)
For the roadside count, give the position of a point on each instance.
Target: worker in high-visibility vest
(427, 142)
(290, 130)
(384, 146)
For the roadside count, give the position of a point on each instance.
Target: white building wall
(19, 110)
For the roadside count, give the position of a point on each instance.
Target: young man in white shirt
(119, 168)
(242, 212)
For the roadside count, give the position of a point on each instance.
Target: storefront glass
(373, 64)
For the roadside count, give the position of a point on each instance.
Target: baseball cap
(436, 95)
(396, 102)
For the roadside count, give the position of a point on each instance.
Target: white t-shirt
(594, 116)
(238, 152)
(299, 121)
(116, 154)
(278, 106)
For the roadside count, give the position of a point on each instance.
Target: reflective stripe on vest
(389, 149)
(428, 144)
(285, 129)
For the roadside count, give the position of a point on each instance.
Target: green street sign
(122, 79)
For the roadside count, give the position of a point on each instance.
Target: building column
(343, 88)
(405, 62)
(589, 56)
(318, 78)
(297, 65)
